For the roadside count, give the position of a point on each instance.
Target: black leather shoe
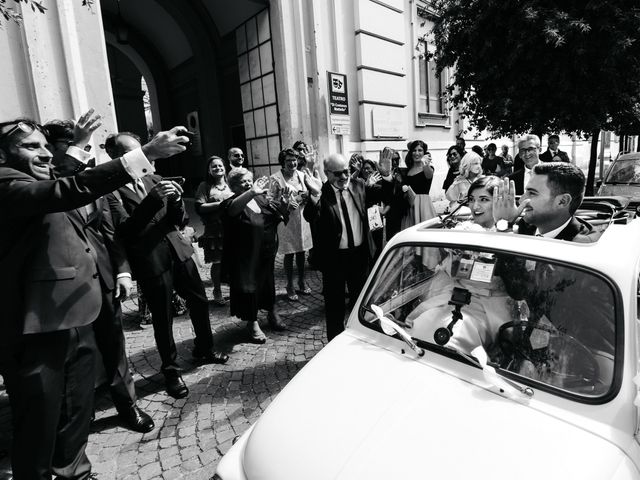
(209, 356)
(136, 420)
(176, 386)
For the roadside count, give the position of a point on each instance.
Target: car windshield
(625, 171)
(549, 325)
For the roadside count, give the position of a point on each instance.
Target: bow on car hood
(357, 411)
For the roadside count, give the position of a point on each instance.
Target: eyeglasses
(338, 173)
(529, 150)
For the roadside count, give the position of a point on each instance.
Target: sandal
(256, 335)
(304, 291)
(275, 322)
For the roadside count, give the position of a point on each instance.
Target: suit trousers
(184, 277)
(111, 344)
(50, 384)
(349, 267)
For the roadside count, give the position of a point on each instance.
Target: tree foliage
(541, 65)
(10, 14)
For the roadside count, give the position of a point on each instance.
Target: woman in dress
(417, 184)
(470, 170)
(251, 219)
(294, 237)
(209, 196)
(490, 305)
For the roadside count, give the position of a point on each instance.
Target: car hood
(357, 411)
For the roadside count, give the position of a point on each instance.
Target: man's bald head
(336, 168)
(235, 157)
(117, 144)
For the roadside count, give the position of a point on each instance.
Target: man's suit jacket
(49, 280)
(546, 156)
(577, 230)
(149, 229)
(326, 216)
(97, 226)
(99, 229)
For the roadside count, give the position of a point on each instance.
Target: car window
(547, 323)
(625, 171)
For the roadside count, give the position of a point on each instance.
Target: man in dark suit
(344, 243)
(68, 140)
(148, 215)
(527, 158)
(553, 153)
(50, 294)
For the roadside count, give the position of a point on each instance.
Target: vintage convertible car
(471, 354)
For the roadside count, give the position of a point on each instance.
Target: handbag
(375, 219)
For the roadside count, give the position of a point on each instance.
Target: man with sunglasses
(50, 292)
(235, 157)
(344, 245)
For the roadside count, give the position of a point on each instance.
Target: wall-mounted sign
(338, 95)
(338, 103)
(388, 122)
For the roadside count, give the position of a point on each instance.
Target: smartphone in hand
(178, 180)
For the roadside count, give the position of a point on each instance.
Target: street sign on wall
(338, 103)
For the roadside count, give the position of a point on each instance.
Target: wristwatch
(503, 225)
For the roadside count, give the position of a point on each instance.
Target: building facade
(344, 75)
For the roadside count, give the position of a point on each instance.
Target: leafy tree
(542, 65)
(9, 14)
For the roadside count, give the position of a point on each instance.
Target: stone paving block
(150, 470)
(189, 452)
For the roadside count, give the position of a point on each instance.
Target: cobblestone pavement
(192, 433)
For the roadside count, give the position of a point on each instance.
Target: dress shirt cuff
(79, 154)
(123, 275)
(136, 164)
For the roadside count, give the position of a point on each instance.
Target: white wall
(55, 66)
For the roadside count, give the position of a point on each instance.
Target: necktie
(347, 220)
(139, 188)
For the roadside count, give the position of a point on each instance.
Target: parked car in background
(623, 178)
(470, 354)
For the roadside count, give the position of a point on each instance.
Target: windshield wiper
(496, 377)
(389, 327)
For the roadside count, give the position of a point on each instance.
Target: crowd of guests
(75, 233)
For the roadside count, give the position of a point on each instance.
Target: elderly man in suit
(344, 244)
(50, 294)
(148, 215)
(68, 140)
(528, 157)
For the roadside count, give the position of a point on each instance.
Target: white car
(471, 354)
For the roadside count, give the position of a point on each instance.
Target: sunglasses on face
(23, 128)
(338, 173)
